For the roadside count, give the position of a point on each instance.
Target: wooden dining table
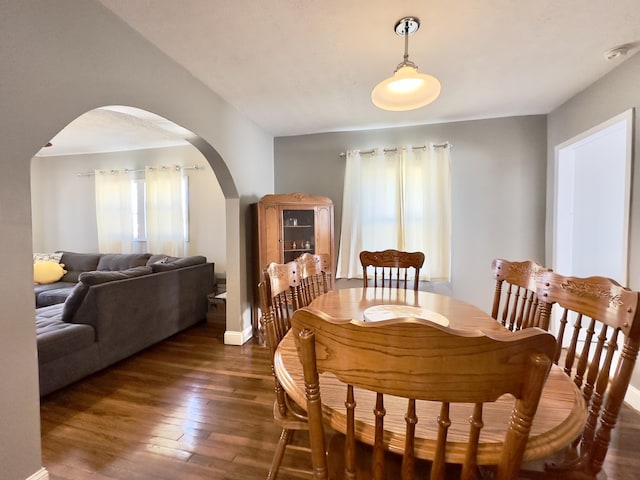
(559, 420)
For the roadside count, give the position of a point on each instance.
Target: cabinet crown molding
(294, 198)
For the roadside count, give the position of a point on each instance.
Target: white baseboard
(41, 474)
(633, 397)
(232, 337)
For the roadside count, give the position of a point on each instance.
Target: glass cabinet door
(299, 233)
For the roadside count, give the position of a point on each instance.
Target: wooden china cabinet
(293, 224)
(289, 225)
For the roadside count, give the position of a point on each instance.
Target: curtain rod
(134, 170)
(389, 150)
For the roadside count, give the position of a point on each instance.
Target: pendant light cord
(406, 41)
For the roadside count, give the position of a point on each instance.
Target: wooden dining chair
(392, 268)
(515, 301)
(279, 295)
(417, 360)
(315, 276)
(598, 340)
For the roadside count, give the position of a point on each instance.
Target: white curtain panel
(113, 207)
(165, 217)
(397, 199)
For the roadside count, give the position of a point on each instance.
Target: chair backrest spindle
(315, 276)
(391, 268)
(515, 301)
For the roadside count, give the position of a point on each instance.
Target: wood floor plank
(194, 408)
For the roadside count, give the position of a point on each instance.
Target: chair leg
(285, 439)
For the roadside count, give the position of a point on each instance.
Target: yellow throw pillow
(47, 271)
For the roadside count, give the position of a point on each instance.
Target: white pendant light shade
(406, 90)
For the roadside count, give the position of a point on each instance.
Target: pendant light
(406, 89)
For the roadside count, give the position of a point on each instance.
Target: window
(185, 207)
(397, 199)
(165, 210)
(153, 209)
(138, 210)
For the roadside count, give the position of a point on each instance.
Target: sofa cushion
(55, 257)
(97, 277)
(76, 263)
(179, 263)
(122, 261)
(57, 338)
(38, 289)
(54, 296)
(47, 271)
(63, 287)
(160, 258)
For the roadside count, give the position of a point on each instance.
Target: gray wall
(498, 184)
(59, 60)
(613, 94)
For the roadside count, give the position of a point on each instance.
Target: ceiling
(307, 66)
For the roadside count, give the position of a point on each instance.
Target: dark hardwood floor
(193, 408)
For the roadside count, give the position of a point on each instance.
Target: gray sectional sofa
(110, 306)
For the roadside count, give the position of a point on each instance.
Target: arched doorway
(121, 137)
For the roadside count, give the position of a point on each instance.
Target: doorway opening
(592, 203)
